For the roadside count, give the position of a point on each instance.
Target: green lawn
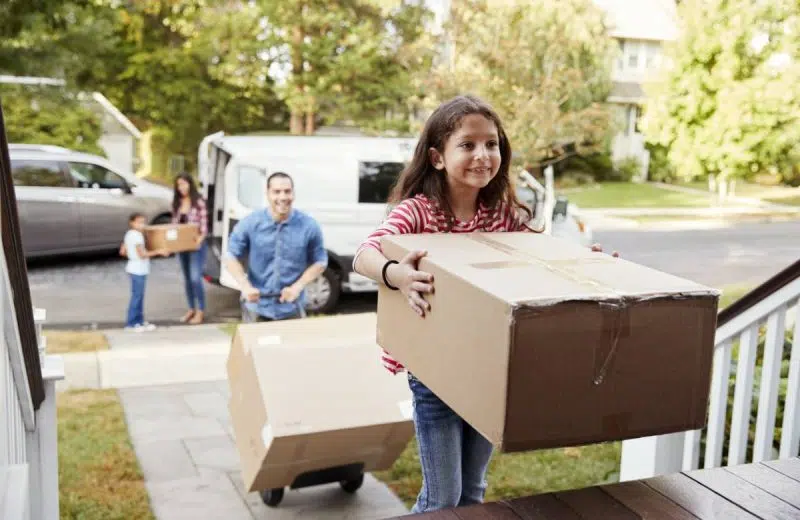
(99, 477)
(777, 194)
(633, 195)
(520, 474)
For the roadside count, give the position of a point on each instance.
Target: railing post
(651, 456)
(43, 445)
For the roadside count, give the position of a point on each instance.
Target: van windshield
(250, 187)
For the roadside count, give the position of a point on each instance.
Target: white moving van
(342, 181)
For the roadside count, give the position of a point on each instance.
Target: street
(92, 292)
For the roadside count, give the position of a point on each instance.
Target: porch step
(14, 497)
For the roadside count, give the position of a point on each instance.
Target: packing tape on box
(171, 234)
(616, 324)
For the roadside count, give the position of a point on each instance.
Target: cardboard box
(175, 238)
(538, 342)
(299, 405)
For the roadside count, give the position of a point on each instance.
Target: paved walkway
(174, 391)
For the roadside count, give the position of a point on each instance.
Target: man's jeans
(192, 264)
(454, 456)
(136, 304)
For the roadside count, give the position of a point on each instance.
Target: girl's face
(183, 187)
(471, 156)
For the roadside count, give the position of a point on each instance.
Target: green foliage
(626, 169)
(660, 168)
(729, 104)
(48, 115)
(544, 66)
(349, 61)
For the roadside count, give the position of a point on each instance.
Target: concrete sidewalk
(174, 391)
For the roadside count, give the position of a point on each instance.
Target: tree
(728, 103)
(544, 66)
(49, 115)
(347, 60)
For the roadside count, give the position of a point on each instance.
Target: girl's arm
(370, 260)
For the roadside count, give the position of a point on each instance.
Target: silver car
(71, 202)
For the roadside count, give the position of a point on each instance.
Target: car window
(38, 173)
(93, 176)
(375, 180)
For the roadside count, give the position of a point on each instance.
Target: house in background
(120, 137)
(641, 27)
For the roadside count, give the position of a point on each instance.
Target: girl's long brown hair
(420, 177)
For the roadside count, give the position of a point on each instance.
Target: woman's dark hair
(420, 176)
(194, 195)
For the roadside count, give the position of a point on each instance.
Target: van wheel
(322, 295)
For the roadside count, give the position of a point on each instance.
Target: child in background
(138, 267)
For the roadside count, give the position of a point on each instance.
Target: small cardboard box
(299, 405)
(175, 238)
(538, 342)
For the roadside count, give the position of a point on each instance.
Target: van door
(212, 175)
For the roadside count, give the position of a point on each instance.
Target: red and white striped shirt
(423, 215)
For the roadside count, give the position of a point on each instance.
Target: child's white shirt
(136, 264)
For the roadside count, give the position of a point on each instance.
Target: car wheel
(322, 294)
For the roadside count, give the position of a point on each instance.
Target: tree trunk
(296, 121)
(310, 129)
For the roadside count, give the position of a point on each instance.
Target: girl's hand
(597, 248)
(412, 283)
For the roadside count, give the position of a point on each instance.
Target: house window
(632, 55)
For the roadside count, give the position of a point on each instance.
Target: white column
(43, 445)
(651, 456)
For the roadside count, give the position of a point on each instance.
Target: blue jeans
(192, 264)
(136, 304)
(453, 455)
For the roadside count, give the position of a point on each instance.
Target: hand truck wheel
(272, 497)
(351, 486)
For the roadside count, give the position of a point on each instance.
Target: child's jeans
(192, 264)
(136, 304)
(454, 456)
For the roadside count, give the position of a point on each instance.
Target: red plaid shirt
(198, 215)
(422, 215)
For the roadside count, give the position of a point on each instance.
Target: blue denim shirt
(277, 255)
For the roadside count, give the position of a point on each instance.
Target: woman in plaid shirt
(188, 207)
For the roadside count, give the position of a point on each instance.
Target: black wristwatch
(383, 274)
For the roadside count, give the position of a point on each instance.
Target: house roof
(641, 19)
(626, 92)
(116, 114)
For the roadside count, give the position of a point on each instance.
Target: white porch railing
(28, 437)
(756, 398)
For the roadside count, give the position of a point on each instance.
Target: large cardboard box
(538, 342)
(300, 404)
(175, 238)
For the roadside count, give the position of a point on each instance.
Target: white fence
(746, 397)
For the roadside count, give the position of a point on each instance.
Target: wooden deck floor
(769, 490)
